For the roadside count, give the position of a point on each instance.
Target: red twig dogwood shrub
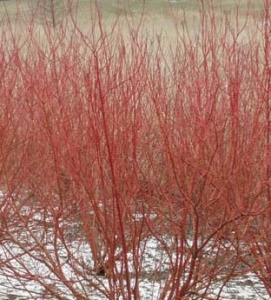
(126, 161)
(214, 180)
(258, 237)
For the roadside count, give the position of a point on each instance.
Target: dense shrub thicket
(110, 140)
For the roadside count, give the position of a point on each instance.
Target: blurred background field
(150, 18)
(157, 13)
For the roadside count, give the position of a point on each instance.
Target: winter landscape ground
(135, 150)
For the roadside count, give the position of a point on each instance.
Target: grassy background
(134, 7)
(154, 16)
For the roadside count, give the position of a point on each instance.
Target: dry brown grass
(161, 22)
(158, 15)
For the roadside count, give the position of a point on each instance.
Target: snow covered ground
(246, 288)
(30, 251)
